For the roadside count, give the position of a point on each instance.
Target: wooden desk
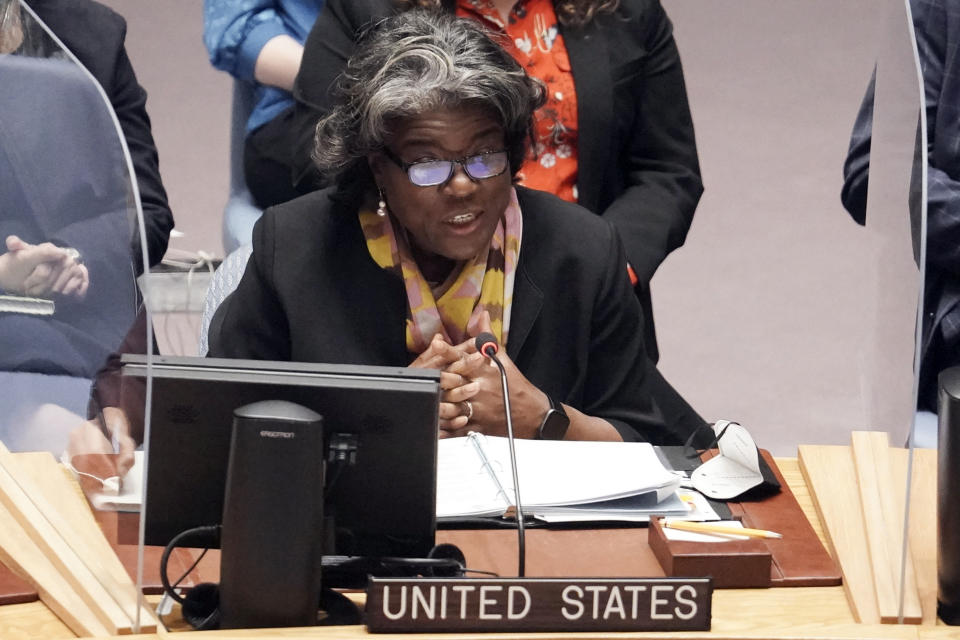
(809, 612)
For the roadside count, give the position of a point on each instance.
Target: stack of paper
(559, 480)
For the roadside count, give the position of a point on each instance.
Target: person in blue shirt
(261, 42)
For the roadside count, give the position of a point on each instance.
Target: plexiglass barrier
(780, 311)
(70, 224)
(891, 140)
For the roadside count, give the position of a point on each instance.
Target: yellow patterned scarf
(453, 309)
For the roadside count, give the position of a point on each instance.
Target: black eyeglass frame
(405, 166)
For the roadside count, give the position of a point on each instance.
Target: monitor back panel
(382, 505)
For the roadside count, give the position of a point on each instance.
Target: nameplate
(399, 605)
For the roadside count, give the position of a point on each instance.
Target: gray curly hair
(415, 62)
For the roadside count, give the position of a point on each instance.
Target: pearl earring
(382, 205)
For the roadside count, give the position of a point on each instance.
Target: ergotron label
(284, 435)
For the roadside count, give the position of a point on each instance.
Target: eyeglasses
(433, 172)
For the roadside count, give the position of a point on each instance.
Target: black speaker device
(948, 497)
(271, 540)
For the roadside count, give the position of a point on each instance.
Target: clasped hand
(472, 395)
(41, 270)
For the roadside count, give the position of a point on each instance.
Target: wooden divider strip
(881, 499)
(832, 479)
(45, 476)
(54, 537)
(21, 554)
(49, 479)
(67, 562)
(923, 518)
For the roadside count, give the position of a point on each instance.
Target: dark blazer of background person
(312, 293)
(59, 183)
(92, 219)
(637, 156)
(937, 27)
(95, 34)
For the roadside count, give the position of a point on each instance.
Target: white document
(559, 481)
(682, 505)
(474, 477)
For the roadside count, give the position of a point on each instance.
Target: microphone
(486, 344)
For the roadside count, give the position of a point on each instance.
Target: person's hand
(456, 363)
(56, 271)
(484, 401)
(89, 438)
(41, 270)
(21, 260)
(439, 354)
(486, 409)
(11, 28)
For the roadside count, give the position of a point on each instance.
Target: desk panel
(803, 612)
(611, 553)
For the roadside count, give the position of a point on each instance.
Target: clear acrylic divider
(808, 321)
(894, 570)
(70, 224)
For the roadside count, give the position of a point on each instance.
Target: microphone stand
(488, 347)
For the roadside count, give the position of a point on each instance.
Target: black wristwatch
(555, 423)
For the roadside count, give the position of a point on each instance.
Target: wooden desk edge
(37, 621)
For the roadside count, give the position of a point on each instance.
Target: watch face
(554, 425)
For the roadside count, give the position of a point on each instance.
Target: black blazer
(61, 181)
(312, 293)
(95, 34)
(637, 154)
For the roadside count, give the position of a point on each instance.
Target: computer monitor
(384, 504)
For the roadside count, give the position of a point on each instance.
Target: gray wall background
(762, 315)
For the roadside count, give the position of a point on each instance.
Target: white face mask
(735, 470)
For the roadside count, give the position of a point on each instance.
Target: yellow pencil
(708, 527)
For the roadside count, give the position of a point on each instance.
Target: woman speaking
(424, 241)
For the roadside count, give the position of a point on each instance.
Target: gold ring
(469, 413)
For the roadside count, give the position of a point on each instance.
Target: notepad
(594, 480)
